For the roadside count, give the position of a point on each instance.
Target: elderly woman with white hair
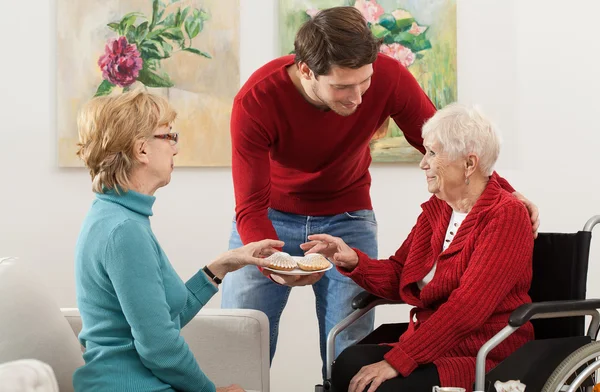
(132, 302)
(465, 266)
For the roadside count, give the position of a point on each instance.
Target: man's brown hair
(337, 36)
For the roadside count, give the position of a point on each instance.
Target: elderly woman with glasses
(132, 302)
(465, 266)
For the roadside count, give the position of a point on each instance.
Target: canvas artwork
(185, 50)
(421, 34)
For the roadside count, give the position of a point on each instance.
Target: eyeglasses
(172, 137)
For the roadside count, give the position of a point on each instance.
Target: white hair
(463, 129)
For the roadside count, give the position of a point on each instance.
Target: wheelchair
(563, 357)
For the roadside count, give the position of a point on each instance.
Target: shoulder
(130, 237)
(507, 213)
(388, 70)
(263, 83)
(130, 231)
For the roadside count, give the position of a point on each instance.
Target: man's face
(342, 88)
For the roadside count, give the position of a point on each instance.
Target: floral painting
(185, 50)
(421, 34)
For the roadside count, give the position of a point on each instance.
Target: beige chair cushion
(231, 346)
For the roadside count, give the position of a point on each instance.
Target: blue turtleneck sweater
(133, 304)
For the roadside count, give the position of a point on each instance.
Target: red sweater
(293, 157)
(480, 279)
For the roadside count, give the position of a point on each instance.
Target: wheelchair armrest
(365, 298)
(526, 312)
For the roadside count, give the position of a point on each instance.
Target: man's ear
(140, 151)
(305, 71)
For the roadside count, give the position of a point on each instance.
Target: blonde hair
(463, 129)
(108, 128)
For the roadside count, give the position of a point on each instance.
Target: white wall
(531, 64)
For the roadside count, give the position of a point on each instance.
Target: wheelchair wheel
(577, 372)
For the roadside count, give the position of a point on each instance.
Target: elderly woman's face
(444, 177)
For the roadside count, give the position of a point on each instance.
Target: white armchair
(231, 346)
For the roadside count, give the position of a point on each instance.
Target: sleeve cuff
(201, 287)
(400, 361)
(360, 269)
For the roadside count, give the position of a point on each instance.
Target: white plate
(298, 271)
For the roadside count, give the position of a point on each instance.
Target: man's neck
(303, 88)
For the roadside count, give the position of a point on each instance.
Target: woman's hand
(374, 374)
(333, 248)
(252, 254)
(231, 388)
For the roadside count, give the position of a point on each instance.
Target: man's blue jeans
(247, 288)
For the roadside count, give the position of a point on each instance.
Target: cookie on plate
(282, 261)
(313, 262)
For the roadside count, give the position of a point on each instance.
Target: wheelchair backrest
(560, 266)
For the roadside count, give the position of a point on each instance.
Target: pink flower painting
(121, 62)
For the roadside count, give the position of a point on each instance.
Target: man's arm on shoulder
(412, 107)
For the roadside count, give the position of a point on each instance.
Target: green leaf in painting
(131, 34)
(178, 17)
(142, 31)
(128, 20)
(154, 14)
(192, 26)
(152, 79)
(183, 15)
(149, 54)
(416, 43)
(114, 27)
(405, 23)
(174, 34)
(160, 14)
(158, 9)
(105, 88)
(150, 49)
(203, 15)
(198, 52)
(379, 31)
(167, 49)
(155, 33)
(151, 44)
(169, 21)
(152, 64)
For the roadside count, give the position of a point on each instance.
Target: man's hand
(534, 214)
(293, 280)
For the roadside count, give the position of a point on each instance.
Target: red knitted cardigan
(483, 275)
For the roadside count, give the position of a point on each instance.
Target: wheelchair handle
(593, 221)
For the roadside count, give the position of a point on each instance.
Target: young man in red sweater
(300, 130)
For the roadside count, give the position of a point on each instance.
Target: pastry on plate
(282, 261)
(313, 262)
